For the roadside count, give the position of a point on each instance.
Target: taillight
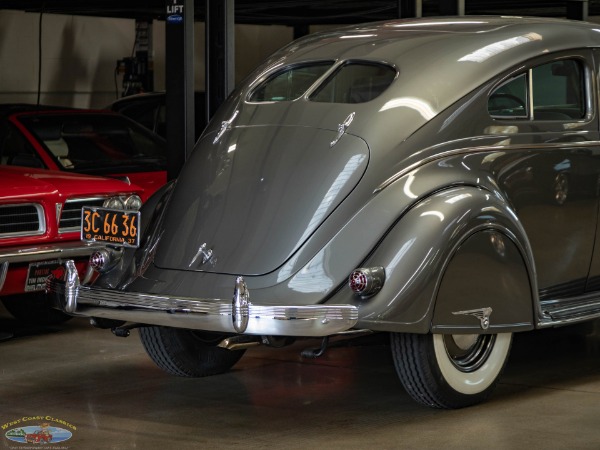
(104, 259)
(367, 281)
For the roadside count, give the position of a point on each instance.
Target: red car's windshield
(86, 142)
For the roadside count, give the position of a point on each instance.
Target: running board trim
(571, 310)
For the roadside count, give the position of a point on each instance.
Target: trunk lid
(246, 204)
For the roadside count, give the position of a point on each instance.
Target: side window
(510, 99)
(557, 93)
(17, 151)
(141, 112)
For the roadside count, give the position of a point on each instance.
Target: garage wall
(79, 56)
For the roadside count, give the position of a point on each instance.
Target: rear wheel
(34, 309)
(187, 353)
(450, 371)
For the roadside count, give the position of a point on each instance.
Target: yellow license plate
(110, 226)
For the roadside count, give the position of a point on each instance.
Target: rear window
(355, 82)
(290, 83)
(352, 82)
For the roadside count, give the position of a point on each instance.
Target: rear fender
(484, 288)
(445, 242)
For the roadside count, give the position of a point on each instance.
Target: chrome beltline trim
(479, 149)
(208, 314)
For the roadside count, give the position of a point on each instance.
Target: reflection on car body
(436, 180)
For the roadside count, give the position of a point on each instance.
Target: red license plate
(110, 226)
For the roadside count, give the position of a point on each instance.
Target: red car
(84, 141)
(37, 437)
(40, 222)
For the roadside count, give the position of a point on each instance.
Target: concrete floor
(109, 390)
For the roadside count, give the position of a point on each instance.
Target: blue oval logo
(175, 18)
(42, 434)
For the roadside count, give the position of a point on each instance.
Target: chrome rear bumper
(237, 315)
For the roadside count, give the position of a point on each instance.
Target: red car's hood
(150, 182)
(25, 182)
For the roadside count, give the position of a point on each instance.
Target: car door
(593, 283)
(553, 180)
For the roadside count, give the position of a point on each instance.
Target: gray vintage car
(434, 179)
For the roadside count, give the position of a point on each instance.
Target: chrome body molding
(479, 149)
(209, 314)
(569, 311)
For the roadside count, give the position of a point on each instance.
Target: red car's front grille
(70, 218)
(21, 220)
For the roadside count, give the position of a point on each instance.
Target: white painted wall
(79, 56)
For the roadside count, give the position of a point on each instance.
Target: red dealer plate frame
(115, 227)
(37, 273)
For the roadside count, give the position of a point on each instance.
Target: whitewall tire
(450, 371)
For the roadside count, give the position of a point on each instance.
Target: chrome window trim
(275, 70)
(588, 86)
(339, 65)
(529, 81)
(529, 104)
(336, 64)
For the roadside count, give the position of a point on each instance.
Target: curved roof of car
(439, 61)
(477, 38)
(456, 52)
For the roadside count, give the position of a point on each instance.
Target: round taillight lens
(358, 281)
(104, 259)
(99, 259)
(366, 281)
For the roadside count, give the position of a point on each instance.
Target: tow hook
(316, 352)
